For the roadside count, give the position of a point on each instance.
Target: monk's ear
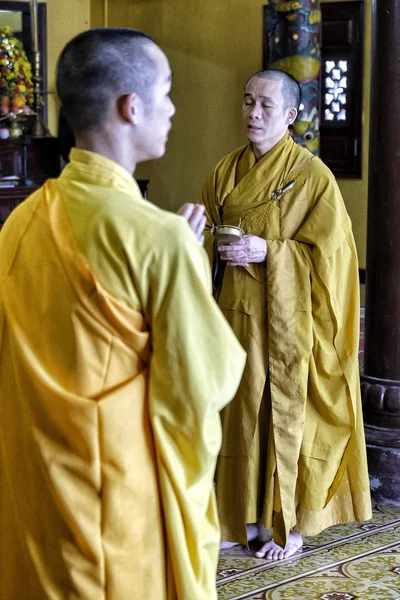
(129, 108)
(291, 115)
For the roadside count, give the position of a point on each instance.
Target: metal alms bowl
(227, 234)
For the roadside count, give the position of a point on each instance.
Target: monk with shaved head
(115, 360)
(293, 456)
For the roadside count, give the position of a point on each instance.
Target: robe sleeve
(211, 212)
(313, 316)
(195, 369)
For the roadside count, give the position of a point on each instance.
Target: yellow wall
(213, 47)
(98, 13)
(65, 18)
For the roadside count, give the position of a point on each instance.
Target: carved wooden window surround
(341, 85)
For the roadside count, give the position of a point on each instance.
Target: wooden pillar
(381, 372)
(292, 44)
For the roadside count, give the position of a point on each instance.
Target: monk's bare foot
(272, 551)
(255, 531)
(226, 545)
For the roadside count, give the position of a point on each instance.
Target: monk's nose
(255, 112)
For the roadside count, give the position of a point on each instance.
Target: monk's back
(73, 371)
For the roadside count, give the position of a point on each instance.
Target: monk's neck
(261, 149)
(109, 147)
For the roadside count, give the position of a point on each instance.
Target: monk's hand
(194, 215)
(250, 249)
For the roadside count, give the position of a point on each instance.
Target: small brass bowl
(227, 234)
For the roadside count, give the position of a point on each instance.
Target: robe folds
(293, 452)
(114, 364)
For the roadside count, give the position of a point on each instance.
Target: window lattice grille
(335, 97)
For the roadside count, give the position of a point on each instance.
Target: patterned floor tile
(346, 562)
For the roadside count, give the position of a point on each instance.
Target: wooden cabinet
(41, 155)
(32, 163)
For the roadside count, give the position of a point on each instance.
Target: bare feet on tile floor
(272, 551)
(254, 532)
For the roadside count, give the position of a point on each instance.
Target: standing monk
(114, 358)
(293, 454)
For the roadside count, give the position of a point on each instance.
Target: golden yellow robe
(114, 364)
(293, 452)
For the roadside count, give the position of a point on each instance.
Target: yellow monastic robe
(293, 452)
(114, 364)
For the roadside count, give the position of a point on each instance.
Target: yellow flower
(15, 64)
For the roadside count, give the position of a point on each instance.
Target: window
(334, 104)
(341, 79)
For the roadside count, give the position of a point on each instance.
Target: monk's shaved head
(291, 92)
(97, 67)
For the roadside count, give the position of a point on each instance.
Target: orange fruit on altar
(5, 101)
(18, 101)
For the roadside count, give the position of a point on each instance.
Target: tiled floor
(346, 562)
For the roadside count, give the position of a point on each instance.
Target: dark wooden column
(381, 373)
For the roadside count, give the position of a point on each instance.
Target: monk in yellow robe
(293, 455)
(114, 358)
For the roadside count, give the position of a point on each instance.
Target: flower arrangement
(16, 88)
